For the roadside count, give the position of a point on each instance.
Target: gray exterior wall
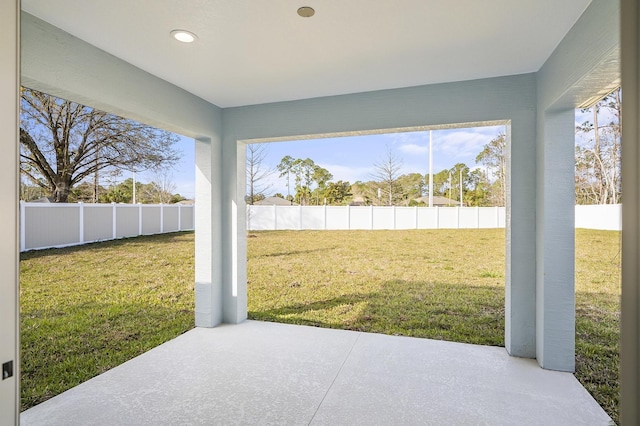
(9, 243)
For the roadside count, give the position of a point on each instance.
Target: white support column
(208, 277)
(139, 219)
(233, 231)
(520, 279)
(179, 217)
(161, 218)
(9, 209)
(630, 346)
(555, 242)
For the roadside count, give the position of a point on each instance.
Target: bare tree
(161, 189)
(598, 158)
(257, 171)
(62, 143)
(493, 157)
(387, 174)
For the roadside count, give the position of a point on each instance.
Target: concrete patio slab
(266, 373)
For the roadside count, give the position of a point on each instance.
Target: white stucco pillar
(208, 241)
(234, 250)
(9, 90)
(630, 345)
(520, 284)
(555, 241)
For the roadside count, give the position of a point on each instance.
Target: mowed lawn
(88, 309)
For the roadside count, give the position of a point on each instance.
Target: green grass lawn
(87, 309)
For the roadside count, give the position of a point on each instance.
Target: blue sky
(352, 158)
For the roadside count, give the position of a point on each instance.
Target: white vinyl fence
(263, 218)
(44, 225)
(601, 216)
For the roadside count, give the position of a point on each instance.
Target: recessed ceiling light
(184, 36)
(306, 11)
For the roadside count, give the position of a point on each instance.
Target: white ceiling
(259, 51)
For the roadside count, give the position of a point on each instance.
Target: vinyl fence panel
(44, 225)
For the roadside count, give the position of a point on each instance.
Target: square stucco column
(234, 239)
(630, 321)
(555, 242)
(208, 273)
(520, 255)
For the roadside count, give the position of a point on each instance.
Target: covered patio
(258, 72)
(266, 373)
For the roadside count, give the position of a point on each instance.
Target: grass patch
(87, 309)
(411, 283)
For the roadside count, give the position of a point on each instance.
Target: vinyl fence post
(139, 219)
(478, 216)
(300, 217)
(114, 224)
(179, 217)
(348, 217)
(275, 218)
(23, 226)
(437, 217)
(161, 218)
(81, 222)
(416, 210)
(324, 212)
(393, 218)
(458, 214)
(371, 216)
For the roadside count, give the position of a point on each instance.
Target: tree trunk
(60, 193)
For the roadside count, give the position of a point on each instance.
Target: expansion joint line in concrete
(334, 379)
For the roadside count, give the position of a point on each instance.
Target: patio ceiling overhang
(252, 52)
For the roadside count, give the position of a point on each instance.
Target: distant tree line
(597, 172)
(155, 192)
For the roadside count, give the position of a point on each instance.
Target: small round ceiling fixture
(184, 36)
(306, 12)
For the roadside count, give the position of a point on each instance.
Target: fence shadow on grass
(295, 252)
(168, 238)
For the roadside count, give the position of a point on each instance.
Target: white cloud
(349, 174)
(414, 149)
(463, 144)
